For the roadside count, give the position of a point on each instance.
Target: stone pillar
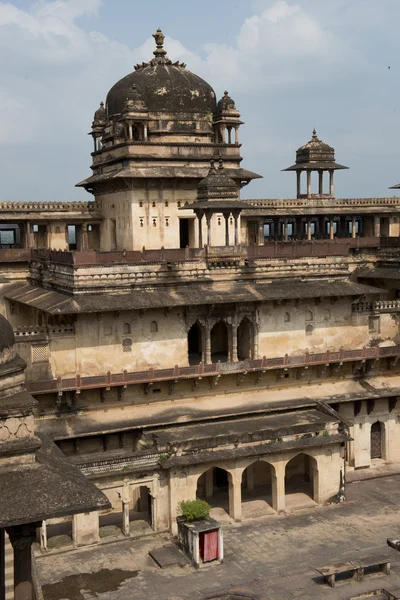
(298, 173)
(200, 218)
(209, 483)
(22, 538)
(285, 230)
(208, 345)
(208, 221)
(308, 184)
(377, 226)
(84, 237)
(229, 135)
(234, 343)
(85, 529)
(331, 232)
(235, 497)
(308, 229)
(145, 132)
(236, 134)
(237, 232)
(226, 217)
(43, 536)
(331, 188)
(353, 227)
(320, 182)
(125, 519)
(261, 232)
(130, 134)
(278, 488)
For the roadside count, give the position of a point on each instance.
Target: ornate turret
(315, 156)
(98, 124)
(227, 117)
(218, 193)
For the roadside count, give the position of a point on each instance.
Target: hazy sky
(289, 65)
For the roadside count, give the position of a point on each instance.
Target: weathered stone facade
(181, 341)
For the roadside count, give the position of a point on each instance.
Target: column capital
(22, 536)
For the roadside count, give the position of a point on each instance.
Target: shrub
(194, 510)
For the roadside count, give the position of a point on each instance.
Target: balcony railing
(216, 369)
(292, 249)
(377, 306)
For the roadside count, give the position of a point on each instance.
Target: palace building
(183, 342)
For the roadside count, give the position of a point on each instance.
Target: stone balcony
(379, 306)
(216, 370)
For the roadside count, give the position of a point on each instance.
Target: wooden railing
(215, 369)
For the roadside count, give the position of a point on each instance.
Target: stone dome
(217, 184)
(315, 150)
(164, 86)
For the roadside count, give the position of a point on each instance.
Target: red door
(210, 545)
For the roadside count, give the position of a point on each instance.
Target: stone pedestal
(22, 538)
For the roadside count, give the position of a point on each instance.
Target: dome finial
(314, 134)
(159, 37)
(220, 163)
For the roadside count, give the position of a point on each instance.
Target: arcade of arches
(274, 483)
(222, 342)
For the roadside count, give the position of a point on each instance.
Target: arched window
(127, 345)
(153, 327)
(309, 315)
(57, 229)
(309, 329)
(219, 342)
(286, 318)
(327, 315)
(126, 329)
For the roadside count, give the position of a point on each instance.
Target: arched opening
(245, 340)
(219, 342)
(257, 489)
(195, 344)
(213, 486)
(126, 328)
(301, 481)
(376, 440)
(153, 327)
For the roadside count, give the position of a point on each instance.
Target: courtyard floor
(272, 558)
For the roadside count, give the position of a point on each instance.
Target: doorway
(183, 233)
(376, 440)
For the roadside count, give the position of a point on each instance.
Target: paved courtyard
(273, 556)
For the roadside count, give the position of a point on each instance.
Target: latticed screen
(127, 345)
(40, 353)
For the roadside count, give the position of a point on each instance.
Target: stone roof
(217, 185)
(164, 172)
(50, 487)
(315, 155)
(56, 303)
(7, 338)
(164, 86)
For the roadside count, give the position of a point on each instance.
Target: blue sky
(289, 65)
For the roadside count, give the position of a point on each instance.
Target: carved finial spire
(314, 135)
(212, 164)
(221, 164)
(159, 37)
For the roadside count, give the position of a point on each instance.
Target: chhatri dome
(164, 86)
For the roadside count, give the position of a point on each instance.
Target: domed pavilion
(154, 138)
